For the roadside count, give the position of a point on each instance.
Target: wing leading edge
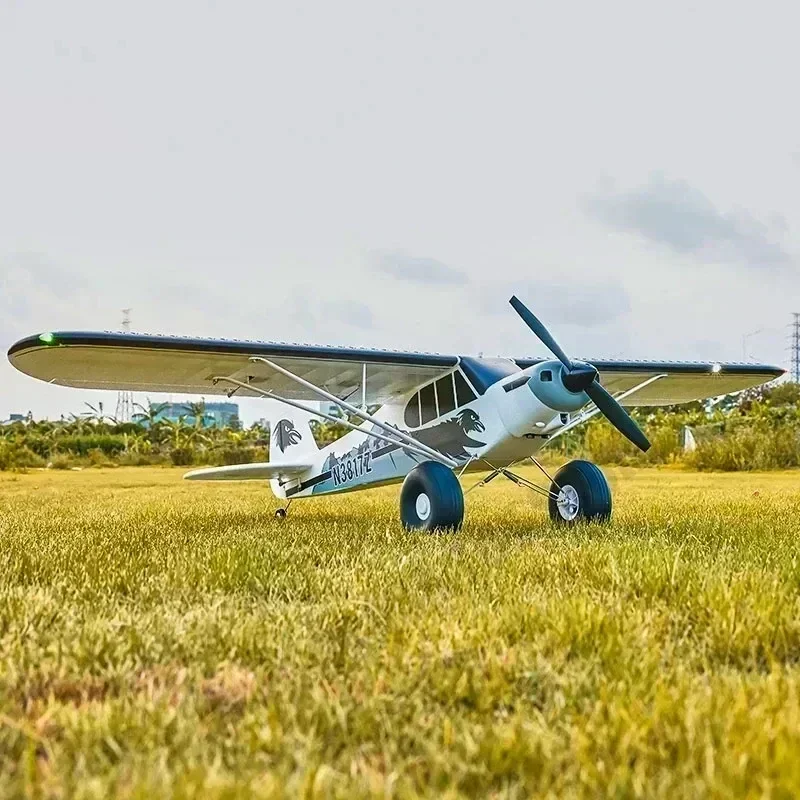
(138, 362)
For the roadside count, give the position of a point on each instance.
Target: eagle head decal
(285, 434)
(469, 421)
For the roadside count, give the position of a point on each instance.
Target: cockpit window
(445, 395)
(412, 412)
(437, 399)
(427, 402)
(464, 394)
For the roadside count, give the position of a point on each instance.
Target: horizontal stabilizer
(248, 472)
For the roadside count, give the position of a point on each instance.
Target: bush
(109, 444)
(748, 448)
(36, 443)
(97, 458)
(238, 455)
(665, 445)
(182, 456)
(130, 459)
(15, 456)
(605, 445)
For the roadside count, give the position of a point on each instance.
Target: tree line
(759, 429)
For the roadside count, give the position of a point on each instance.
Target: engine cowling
(530, 401)
(547, 384)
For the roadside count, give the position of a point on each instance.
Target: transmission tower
(795, 347)
(124, 411)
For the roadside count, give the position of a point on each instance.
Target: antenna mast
(795, 348)
(124, 411)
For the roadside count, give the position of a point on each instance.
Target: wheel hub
(568, 503)
(423, 506)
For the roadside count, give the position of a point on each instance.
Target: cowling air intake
(579, 377)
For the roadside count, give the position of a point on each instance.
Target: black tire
(431, 499)
(584, 484)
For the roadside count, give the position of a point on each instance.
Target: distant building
(216, 415)
(14, 418)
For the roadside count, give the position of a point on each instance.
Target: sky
(387, 174)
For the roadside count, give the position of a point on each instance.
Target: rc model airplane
(439, 417)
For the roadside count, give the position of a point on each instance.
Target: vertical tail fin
(291, 439)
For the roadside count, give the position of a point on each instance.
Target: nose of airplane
(580, 377)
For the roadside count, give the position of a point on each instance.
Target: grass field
(159, 638)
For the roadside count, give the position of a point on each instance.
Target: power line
(744, 341)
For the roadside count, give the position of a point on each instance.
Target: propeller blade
(583, 377)
(535, 324)
(617, 415)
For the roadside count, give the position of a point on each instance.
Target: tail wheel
(580, 493)
(431, 498)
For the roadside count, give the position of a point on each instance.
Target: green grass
(159, 638)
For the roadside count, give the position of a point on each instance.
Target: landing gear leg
(579, 492)
(280, 513)
(514, 478)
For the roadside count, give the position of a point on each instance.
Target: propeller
(578, 376)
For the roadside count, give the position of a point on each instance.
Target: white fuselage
(504, 425)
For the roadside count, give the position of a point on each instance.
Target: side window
(446, 395)
(427, 403)
(412, 412)
(464, 394)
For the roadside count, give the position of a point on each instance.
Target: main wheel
(580, 492)
(431, 498)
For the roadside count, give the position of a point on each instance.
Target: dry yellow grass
(168, 639)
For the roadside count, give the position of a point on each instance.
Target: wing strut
(364, 386)
(361, 413)
(417, 447)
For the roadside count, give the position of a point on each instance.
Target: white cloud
(679, 216)
(416, 269)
